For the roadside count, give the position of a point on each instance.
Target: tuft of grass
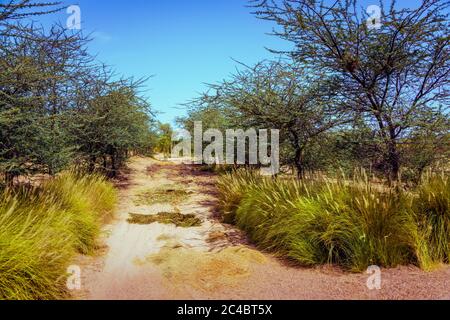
(41, 230)
(350, 223)
(232, 187)
(431, 206)
(167, 194)
(90, 200)
(176, 218)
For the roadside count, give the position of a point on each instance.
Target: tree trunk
(299, 155)
(9, 179)
(394, 162)
(113, 165)
(393, 157)
(299, 160)
(92, 164)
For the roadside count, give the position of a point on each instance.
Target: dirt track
(214, 261)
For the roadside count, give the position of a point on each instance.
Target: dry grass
(42, 229)
(176, 218)
(166, 194)
(216, 236)
(351, 223)
(206, 271)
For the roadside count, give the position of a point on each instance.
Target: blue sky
(183, 43)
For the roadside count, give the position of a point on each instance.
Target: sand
(214, 260)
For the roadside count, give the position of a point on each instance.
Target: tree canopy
(58, 105)
(372, 96)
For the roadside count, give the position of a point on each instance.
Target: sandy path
(213, 261)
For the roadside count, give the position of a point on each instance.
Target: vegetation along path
(168, 243)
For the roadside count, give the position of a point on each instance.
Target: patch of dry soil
(213, 260)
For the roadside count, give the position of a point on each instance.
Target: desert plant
(432, 211)
(231, 187)
(42, 228)
(352, 223)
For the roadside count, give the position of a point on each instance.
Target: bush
(354, 224)
(41, 229)
(232, 187)
(89, 200)
(432, 211)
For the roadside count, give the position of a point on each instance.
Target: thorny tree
(57, 104)
(280, 95)
(396, 76)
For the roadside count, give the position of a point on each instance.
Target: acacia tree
(427, 147)
(57, 104)
(396, 76)
(283, 96)
(275, 95)
(112, 122)
(164, 144)
(13, 11)
(34, 84)
(36, 70)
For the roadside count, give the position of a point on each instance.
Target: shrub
(41, 229)
(432, 211)
(351, 223)
(88, 199)
(367, 225)
(231, 188)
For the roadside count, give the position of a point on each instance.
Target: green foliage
(232, 187)
(395, 78)
(164, 141)
(351, 223)
(346, 96)
(32, 138)
(111, 125)
(58, 105)
(209, 112)
(270, 95)
(432, 209)
(41, 230)
(89, 199)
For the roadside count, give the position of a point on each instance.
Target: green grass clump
(90, 200)
(350, 223)
(41, 230)
(432, 211)
(232, 187)
(167, 194)
(176, 218)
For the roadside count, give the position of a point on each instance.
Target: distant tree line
(346, 96)
(58, 105)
